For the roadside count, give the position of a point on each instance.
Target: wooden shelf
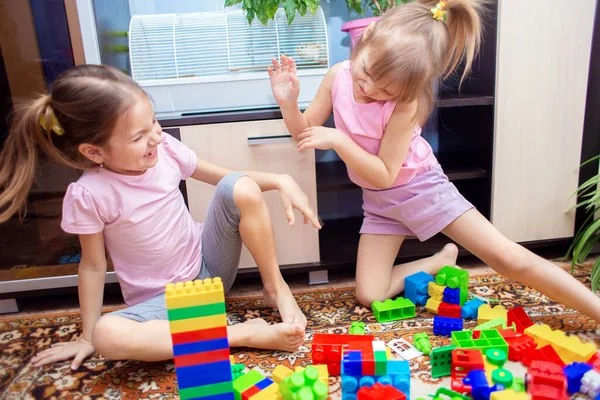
(463, 100)
(333, 176)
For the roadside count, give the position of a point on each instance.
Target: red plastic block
(546, 380)
(368, 358)
(519, 317)
(595, 361)
(251, 391)
(546, 353)
(463, 362)
(199, 335)
(328, 349)
(449, 310)
(520, 347)
(201, 358)
(380, 392)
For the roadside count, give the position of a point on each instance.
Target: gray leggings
(221, 249)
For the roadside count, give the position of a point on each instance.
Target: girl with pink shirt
(379, 99)
(127, 202)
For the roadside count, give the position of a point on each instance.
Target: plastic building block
(435, 291)
(393, 310)
(444, 326)
(465, 361)
(508, 395)
(452, 296)
(594, 361)
(327, 349)
(249, 385)
(451, 395)
(487, 313)
(433, 305)
(421, 342)
(198, 325)
(380, 392)
(520, 347)
(280, 373)
(546, 379)
(480, 387)
(441, 361)
(502, 377)
(237, 370)
(404, 349)
(454, 278)
(519, 318)
(590, 383)
(397, 375)
(302, 385)
(497, 323)
(569, 348)
(546, 353)
(449, 310)
(323, 373)
(496, 357)
(488, 339)
(574, 373)
(469, 309)
(518, 385)
(357, 328)
(416, 289)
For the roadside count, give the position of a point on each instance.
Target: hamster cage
(215, 61)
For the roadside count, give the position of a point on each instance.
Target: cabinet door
(542, 75)
(255, 146)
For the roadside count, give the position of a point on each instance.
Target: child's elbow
(382, 184)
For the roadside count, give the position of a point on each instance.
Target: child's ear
(92, 153)
(368, 30)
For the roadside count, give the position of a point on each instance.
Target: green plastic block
(488, 339)
(441, 361)
(205, 391)
(304, 385)
(381, 362)
(492, 324)
(518, 385)
(357, 328)
(421, 342)
(496, 357)
(205, 310)
(454, 278)
(392, 310)
(246, 381)
(451, 395)
(237, 370)
(502, 377)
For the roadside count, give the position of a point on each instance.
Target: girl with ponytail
(380, 98)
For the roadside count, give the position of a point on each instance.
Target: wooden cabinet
(543, 63)
(262, 146)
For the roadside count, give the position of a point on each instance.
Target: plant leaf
(229, 3)
(290, 10)
(591, 230)
(250, 15)
(595, 275)
(313, 5)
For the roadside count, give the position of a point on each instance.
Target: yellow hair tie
(439, 11)
(54, 126)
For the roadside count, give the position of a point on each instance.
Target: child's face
(365, 89)
(133, 145)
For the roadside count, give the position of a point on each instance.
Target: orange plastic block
(485, 313)
(569, 348)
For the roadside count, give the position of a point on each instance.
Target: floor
(243, 287)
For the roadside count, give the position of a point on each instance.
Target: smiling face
(365, 88)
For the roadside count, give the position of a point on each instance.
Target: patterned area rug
(328, 311)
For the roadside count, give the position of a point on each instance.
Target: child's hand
(78, 349)
(284, 82)
(292, 197)
(319, 137)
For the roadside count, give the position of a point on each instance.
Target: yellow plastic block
(323, 372)
(436, 291)
(486, 313)
(195, 324)
(270, 393)
(433, 305)
(508, 395)
(231, 360)
(280, 373)
(569, 348)
(194, 293)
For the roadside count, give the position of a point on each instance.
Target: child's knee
(107, 338)
(367, 296)
(247, 192)
(512, 261)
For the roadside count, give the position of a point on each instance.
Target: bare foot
(284, 301)
(260, 335)
(447, 256)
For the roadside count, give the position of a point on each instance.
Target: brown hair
(411, 50)
(87, 101)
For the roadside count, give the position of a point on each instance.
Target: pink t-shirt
(148, 231)
(365, 124)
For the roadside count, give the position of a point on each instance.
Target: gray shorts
(221, 249)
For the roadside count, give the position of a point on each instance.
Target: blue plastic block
(452, 296)
(415, 287)
(574, 372)
(397, 367)
(222, 396)
(444, 326)
(204, 374)
(200, 346)
(480, 389)
(470, 308)
(265, 383)
(352, 363)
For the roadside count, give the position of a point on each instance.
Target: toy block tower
(198, 324)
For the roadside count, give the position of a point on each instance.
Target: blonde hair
(86, 101)
(411, 50)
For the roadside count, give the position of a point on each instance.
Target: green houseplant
(264, 10)
(588, 235)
